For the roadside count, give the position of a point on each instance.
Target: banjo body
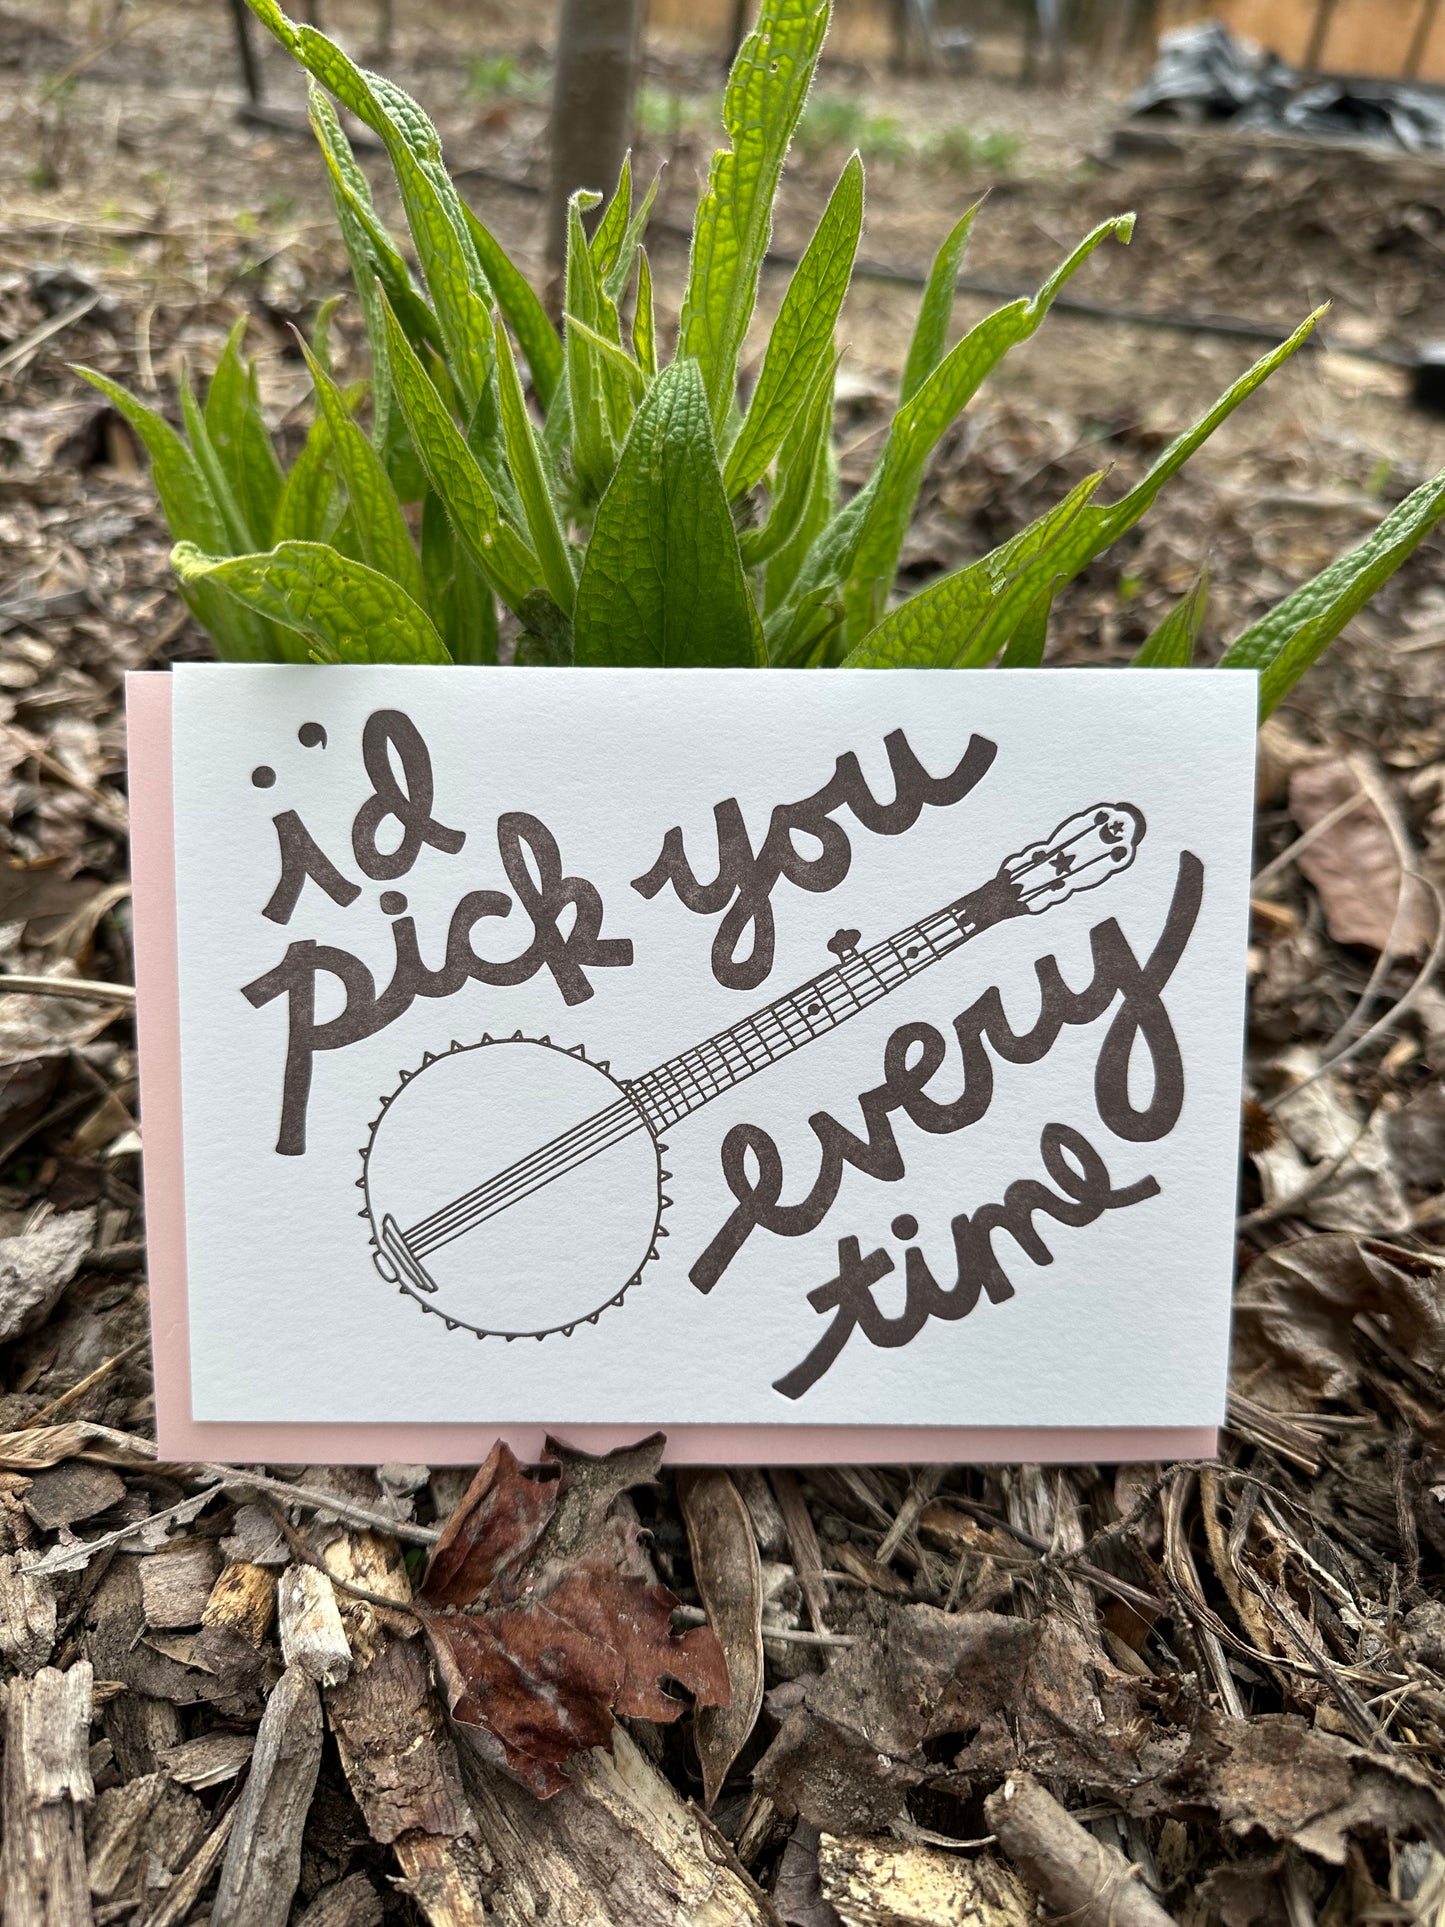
(531, 1253)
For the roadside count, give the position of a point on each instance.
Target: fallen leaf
(729, 1577)
(544, 1619)
(1294, 1311)
(948, 1697)
(1355, 867)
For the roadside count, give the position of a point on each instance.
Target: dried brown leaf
(729, 1577)
(1355, 867)
(565, 1626)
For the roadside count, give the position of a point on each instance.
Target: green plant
(643, 514)
(503, 77)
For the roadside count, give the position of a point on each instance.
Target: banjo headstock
(1083, 852)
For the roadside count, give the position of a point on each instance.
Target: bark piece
(210, 1760)
(36, 1266)
(263, 1858)
(1074, 1873)
(27, 1612)
(616, 1848)
(139, 1834)
(312, 1635)
(877, 1883)
(396, 1750)
(729, 1577)
(176, 1584)
(46, 1787)
(64, 1494)
(194, 1878)
(353, 1902)
(243, 1598)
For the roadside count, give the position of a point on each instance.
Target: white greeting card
(707, 1048)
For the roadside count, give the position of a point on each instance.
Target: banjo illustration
(515, 1188)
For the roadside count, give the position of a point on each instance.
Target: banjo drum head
(525, 1185)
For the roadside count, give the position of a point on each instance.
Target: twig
(1302, 842)
(1317, 1179)
(1068, 1561)
(20, 351)
(82, 989)
(303, 1552)
(101, 1372)
(1078, 1877)
(106, 810)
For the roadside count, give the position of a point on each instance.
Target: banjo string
(601, 1131)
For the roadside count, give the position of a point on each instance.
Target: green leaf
(614, 281)
(501, 554)
(606, 243)
(951, 623)
(526, 316)
(309, 508)
(644, 321)
(765, 93)
(927, 629)
(457, 597)
(1029, 640)
(347, 612)
(879, 530)
(382, 536)
(793, 486)
(1283, 644)
(808, 463)
(663, 582)
(611, 357)
(241, 439)
(1172, 644)
(189, 506)
(525, 461)
(930, 332)
(600, 397)
(801, 342)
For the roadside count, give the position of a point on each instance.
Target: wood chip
(209, 1760)
(27, 1612)
(139, 1834)
(46, 1787)
(176, 1584)
(263, 1857)
(312, 1635)
(243, 1598)
(64, 1494)
(350, 1903)
(876, 1883)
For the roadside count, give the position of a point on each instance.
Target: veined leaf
(801, 342)
(644, 321)
(524, 458)
(599, 397)
(501, 554)
(807, 462)
(240, 538)
(1283, 644)
(192, 514)
(921, 421)
(984, 600)
(765, 93)
(241, 439)
(525, 314)
(614, 281)
(792, 488)
(1172, 644)
(936, 627)
(457, 597)
(309, 508)
(382, 535)
(663, 581)
(616, 359)
(930, 331)
(606, 242)
(348, 612)
(1029, 640)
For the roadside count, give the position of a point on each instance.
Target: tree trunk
(592, 93)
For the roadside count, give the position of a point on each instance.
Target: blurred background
(158, 180)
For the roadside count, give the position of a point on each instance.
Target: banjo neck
(1082, 852)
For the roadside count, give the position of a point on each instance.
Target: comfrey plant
(631, 512)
